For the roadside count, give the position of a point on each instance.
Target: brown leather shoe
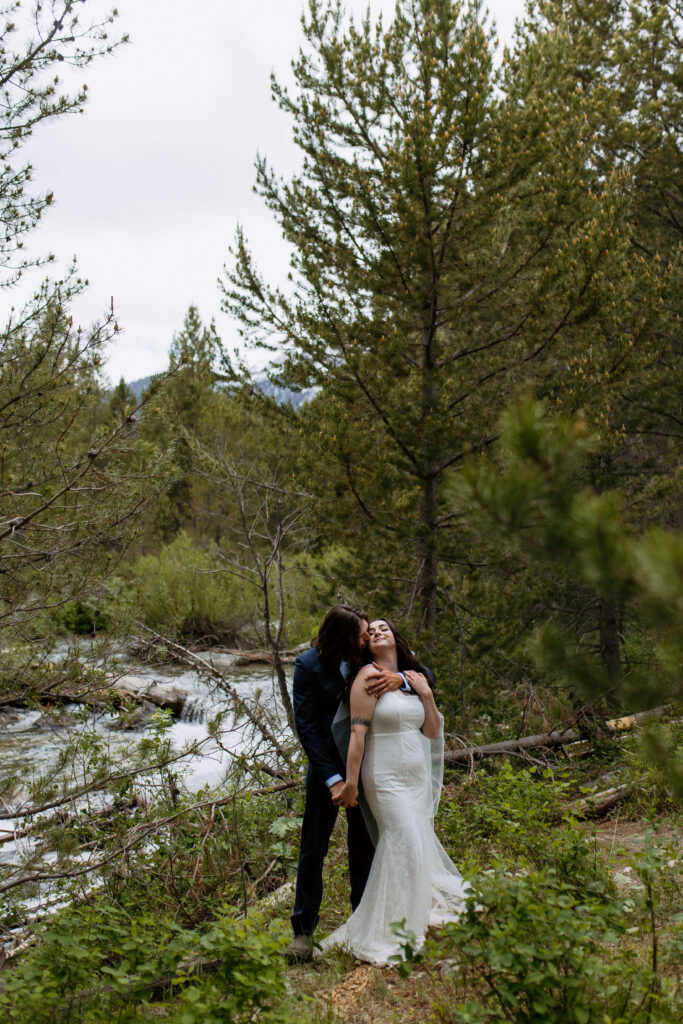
(300, 949)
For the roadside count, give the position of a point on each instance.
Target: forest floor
(592, 899)
(374, 995)
(343, 989)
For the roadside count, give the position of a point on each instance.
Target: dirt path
(378, 995)
(621, 839)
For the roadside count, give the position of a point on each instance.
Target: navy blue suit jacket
(316, 694)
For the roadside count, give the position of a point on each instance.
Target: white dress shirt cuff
(332, 779)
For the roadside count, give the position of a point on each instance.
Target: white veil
(434, 761)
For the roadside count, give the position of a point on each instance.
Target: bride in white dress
(412, 878)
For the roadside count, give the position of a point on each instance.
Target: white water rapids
(30, 741)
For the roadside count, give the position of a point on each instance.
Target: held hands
(344, 794)
(335, 790)
(381, 680)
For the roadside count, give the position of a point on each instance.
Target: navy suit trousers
(320, 815)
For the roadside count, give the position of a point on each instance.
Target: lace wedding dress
(412, 877)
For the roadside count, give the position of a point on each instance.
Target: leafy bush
(539, 954)
(98, 964)
(311, 586)
(232, 852)
(249, 982)
(654, 766)
(81, 617)
(181, 591)
(87, 963)
(522, 817)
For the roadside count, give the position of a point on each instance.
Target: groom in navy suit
(320, 679)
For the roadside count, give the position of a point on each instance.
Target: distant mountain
(138, 386)
(285, 395)
(281, 395)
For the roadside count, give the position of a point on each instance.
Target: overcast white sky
(151, 181)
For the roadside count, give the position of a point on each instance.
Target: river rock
(133, 717)
(19, 720)
(161, 695)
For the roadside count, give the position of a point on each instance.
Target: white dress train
(412, 877)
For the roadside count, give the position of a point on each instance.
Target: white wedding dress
(412, 878)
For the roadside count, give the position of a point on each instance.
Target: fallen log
(467, 755)
(600, 803)
(257, 657)
(117, 693)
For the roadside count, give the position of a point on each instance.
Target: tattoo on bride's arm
(361, 721)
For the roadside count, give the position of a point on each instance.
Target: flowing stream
(30, 740)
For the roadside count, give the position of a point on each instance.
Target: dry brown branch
(98, 784)
(135, 836)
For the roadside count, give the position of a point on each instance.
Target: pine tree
(451, 243)
(36, 42)
(72, 484)
(121, 401)
(621, 63)
(184, 404)
(539, 504)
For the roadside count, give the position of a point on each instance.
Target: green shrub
(98, 964)
(248, 984)
(653, 764)
(311, 587)
(522, 817)
(81, 617)
(182, 592)
(88, 964)
(535, 953)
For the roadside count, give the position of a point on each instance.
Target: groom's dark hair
(338, 637)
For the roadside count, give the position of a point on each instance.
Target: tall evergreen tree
(37, 40)
(121, 401)
(72, 484)
(621, 61)
(450, 243)
(185, 402)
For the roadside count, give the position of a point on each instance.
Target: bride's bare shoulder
(361, 678)
(366, 670)
(364, 673)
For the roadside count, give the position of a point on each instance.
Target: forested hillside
(471, 423)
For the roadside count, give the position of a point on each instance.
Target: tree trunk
(284, 692)
(274, 641)
(463, 671)
(610, 627)
(429, 561)
(429, 496)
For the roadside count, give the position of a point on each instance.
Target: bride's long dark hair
(405, 657)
